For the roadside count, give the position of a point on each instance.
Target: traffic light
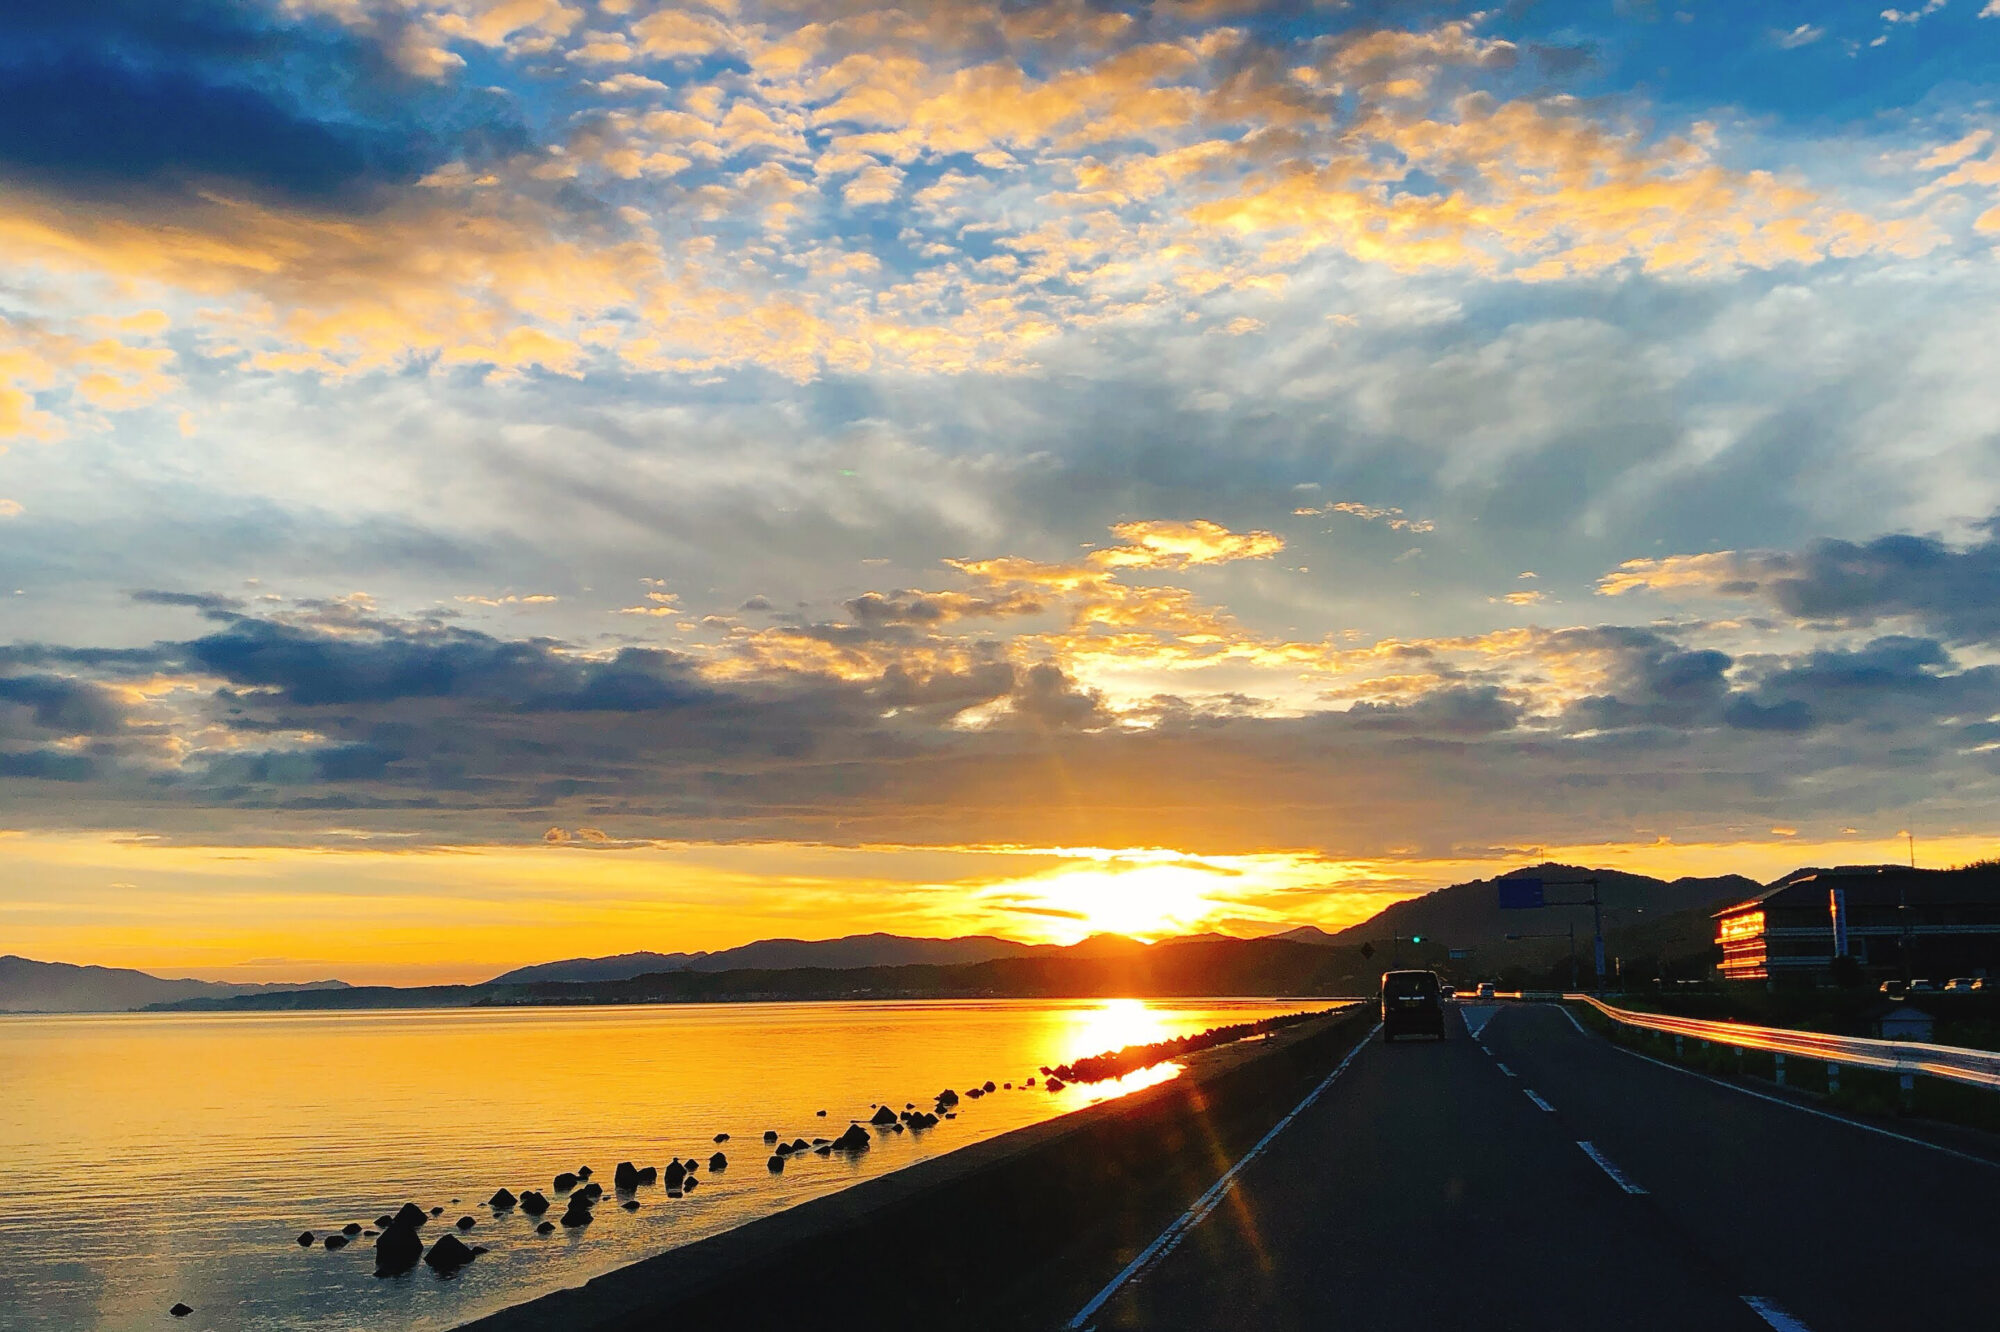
(1416, 938)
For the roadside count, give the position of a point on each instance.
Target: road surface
(1522, 1174)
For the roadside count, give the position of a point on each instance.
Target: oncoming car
(1411, 1003)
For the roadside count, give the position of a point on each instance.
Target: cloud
(1393, 518)
(1953, 590)
(1162, 544)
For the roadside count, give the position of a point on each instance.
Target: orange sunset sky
(494, 480)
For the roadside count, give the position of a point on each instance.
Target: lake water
(152, 1158)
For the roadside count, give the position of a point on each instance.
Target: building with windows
(1925, 923)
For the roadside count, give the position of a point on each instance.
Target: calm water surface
(149, 1158)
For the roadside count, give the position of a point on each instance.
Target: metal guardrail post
(1778, 1069)
(1833, 1079)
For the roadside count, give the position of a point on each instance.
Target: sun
(1143, 900)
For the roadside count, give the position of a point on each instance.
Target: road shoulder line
(1814, 1110)
(1205, 1204)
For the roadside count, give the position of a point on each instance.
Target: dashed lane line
(1504, 1069)
(1771, 1313)
(1618, 1177)
(1193, 1216)
(1533, 1096)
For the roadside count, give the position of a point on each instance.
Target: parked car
(1922, 987)
(1960, 985)
(1447, 992)
(1983, 985)
(1486, 989)
(1892, 988)
(1411, 1003)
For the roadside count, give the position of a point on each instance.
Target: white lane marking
(1564, 1010)
(1538, 1100)
(1618, 1177)
(1483, 1050)
(1504, 1069)
(1476, 1017)
(1809, 1110)
(1770, 1312)
(1193, 1216)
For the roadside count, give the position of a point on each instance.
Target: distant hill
(854, 950)
(1306, 934)
(1105, 966)
(621, 966)
(28, 986)
(1468, 915)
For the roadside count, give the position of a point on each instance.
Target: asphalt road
(1443, 1185)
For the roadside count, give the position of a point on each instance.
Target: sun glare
(1140, 901)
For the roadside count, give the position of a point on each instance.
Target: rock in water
(947, 1097)
(821, 1114)
(336, 1241)
(583, 1172)
(546, 1228)
(688, 1184)
(770, 1135)
(448, 1255)
(592, 1191)
(305, 1239)
(1055, 1083)
(466, 1223)
(409, 1214)
(180, 1311)
(533, 1203)
(722, 1137)
(384, 1221)
(577, 1216)
(630, 1204)
(777, 1165)
(988, 1086)
(564, 1182)
(502, 1200)
(437, 1211)
(718, 1162)
(398, 1249)
(856, 1139)
(690, 1165)
(676, 1172)
(626, 1176)
(883, 1116)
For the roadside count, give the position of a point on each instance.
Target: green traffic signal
(1416, 938)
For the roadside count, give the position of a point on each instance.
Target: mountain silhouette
(28, 986)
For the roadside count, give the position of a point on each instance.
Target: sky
(493, 480)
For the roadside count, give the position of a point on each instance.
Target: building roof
(1973, 883)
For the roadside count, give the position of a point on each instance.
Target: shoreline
(999, 1233)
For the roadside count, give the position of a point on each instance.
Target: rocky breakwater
(1038, 1218)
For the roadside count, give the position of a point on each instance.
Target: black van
(1411, 1002)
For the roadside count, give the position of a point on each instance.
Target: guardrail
(1978, 1068)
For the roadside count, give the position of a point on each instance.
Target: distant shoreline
(1210, 968)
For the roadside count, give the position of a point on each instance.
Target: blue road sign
(1460, 954)
(1519, 894)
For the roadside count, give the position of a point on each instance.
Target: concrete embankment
(1014, 1232)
